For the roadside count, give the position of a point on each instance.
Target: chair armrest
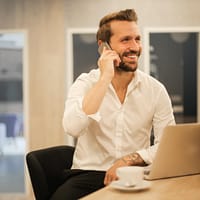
(46, 167)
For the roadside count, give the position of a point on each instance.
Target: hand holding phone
(107, 46)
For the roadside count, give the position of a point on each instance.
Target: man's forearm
(94, 97)
(133, 159)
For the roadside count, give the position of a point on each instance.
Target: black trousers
(78, 184)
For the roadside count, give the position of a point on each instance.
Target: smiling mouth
(132, 56)
(129, 61)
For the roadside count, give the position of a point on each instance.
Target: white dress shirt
(117, 129)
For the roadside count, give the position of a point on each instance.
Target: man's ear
(99, 42)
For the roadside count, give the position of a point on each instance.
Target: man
(112, 110)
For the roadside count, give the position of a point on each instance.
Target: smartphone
(103, 44)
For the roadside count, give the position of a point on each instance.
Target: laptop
(178, 153)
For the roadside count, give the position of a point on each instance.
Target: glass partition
(172, 57)
(82, 52)
(12, 140)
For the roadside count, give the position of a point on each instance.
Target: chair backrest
(45, 168)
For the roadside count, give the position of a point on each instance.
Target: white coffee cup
(130, 175)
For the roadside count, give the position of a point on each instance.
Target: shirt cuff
(144, 155)
(96, 116)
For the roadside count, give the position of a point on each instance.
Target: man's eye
(125, 40)
(138, 39)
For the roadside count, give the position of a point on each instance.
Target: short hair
(104, 32)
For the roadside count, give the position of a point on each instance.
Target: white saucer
(118, 185)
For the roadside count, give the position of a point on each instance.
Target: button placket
(119, 132)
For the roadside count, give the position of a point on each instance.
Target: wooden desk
(180, 188)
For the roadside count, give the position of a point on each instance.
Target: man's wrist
(133, 160)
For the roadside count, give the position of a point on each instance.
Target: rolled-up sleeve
(73, 113)
(75, 121)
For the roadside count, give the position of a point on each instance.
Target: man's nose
(134, 45)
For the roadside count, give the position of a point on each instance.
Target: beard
(126, 67)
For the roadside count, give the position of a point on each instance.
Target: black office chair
(46, 167)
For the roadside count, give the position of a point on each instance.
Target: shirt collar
(136, 80)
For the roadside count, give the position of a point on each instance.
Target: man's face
(126, 41)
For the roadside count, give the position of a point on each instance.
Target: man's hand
(106, 63)
(111, 173)
(129, 160)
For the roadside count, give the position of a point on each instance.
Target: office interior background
(46, 64)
